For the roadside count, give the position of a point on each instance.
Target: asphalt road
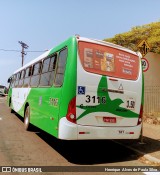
(36, 148)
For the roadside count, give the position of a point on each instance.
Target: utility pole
(24, 46)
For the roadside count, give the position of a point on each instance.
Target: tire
(12, 111)
(10, 105)
(27, 118)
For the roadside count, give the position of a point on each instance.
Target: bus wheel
(27, 118)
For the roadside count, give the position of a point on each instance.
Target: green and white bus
(81, 89)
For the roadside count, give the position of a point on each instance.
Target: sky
(43, 24)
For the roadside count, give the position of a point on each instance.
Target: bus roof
(78, 39)
(33, 61)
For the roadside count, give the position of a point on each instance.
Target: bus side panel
(69, 84)
(50, 104)
(19, 98)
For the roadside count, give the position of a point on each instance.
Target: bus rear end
(109, 98)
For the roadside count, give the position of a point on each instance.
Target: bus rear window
(105, 60)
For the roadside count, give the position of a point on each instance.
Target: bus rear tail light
(140, 116)
(84, 132)
(131, 132)
(71, 114)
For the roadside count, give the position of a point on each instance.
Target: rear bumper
(71, 131)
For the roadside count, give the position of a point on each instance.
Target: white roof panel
(34, 61)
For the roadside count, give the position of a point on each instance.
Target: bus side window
(61, 67)
(22, 78)
(36, 74)
(12, 81)
(17, 79)
(45, 75)
(52, 68)
(27, 77)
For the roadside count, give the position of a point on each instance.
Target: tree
(149, 32)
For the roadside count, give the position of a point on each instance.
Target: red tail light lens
(140, 116)
(71, 114)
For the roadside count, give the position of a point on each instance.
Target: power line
(36, 51)
(10, 50)
(6, 50)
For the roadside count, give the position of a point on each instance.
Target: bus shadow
(85, 152)
(145, 146)
(89, 152)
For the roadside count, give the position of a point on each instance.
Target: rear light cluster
(140, 116)
(131, 132)
(71, 113)
(84, 132)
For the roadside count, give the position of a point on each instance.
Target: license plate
(109, 119)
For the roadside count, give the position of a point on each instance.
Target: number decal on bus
(94, 99)
(130, 104)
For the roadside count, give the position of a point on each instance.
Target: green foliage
(149, 32)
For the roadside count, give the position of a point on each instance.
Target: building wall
(152, 84)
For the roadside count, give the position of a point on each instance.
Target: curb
(147, 156)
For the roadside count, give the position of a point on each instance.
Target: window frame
(37, 74)
(18, 75)
(28, 76)
(58, 57)
(49, 71)
(22, 78)
(40, 68)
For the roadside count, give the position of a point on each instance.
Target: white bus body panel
(70, 131)
(19, 96)
(91, 125)
(131, 90)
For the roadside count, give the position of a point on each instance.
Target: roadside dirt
(148, 162)
(151, 119)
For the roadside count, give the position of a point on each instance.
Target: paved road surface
(21, 148)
